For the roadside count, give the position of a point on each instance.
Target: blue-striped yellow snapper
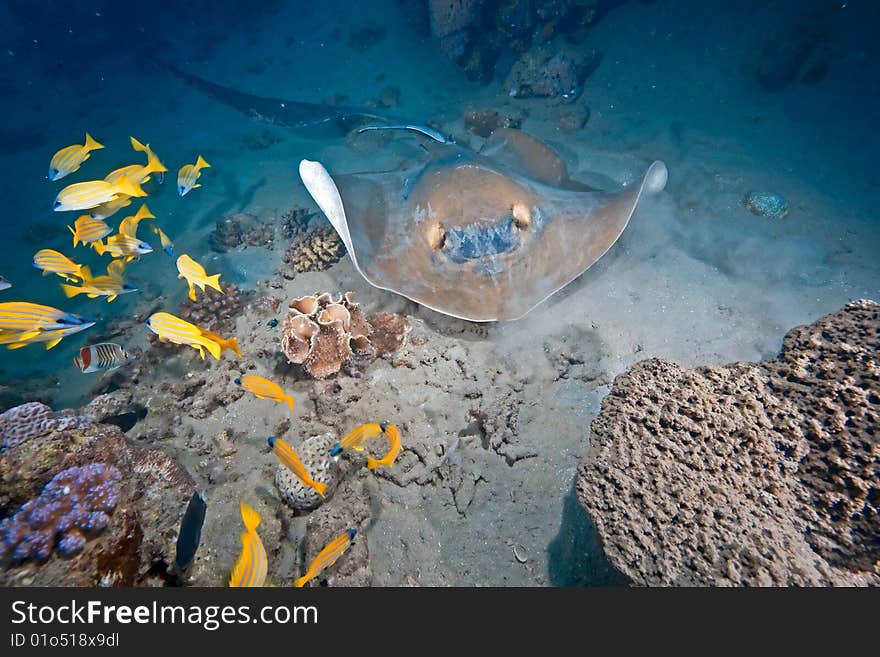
(252, 564)
(86, 230)
(189, 174)
(110, 285)
(195, 275)
(356, 438)
(173, 329)
(101, 357)
(53, 262)
(27, 316)
(69, 159)
(264, 389)
(129, 225)
(110, 208)
(50, 337)
(138, 173)
(167, 244)
(91, 194)
(290, 460)
(122, 246)
(327, 557)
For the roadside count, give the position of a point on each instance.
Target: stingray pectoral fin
(325, 193)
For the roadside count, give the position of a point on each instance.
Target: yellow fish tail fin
(70, 290)
(321, 488)
(144, 213)
(127, 187)
(232, 343)
(99, 247)
(250, 517)
(138, 146)
(85, 273)
(192, 291)
(73, 232)
(201, 163)
(214, 282)
(213, 348)
(287, 398)
(302, 581)
(372, 463)
(154, 165)
(91, 144)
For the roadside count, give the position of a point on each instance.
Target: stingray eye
(436, 237)
(522, 217)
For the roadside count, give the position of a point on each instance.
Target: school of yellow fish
(23, 323)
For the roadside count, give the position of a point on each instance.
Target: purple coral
(73, 505)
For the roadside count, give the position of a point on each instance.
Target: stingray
(315, 118)
(483, 236)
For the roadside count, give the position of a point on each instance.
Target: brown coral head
(307, 305)
(303, 327)
(335, 312)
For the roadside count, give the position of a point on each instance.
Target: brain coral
(315, 455)
(747, 474)
(73, 505)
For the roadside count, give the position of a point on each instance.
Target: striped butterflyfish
(101, 357)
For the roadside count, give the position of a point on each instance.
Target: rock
(117, 408)
(574, 118)
(747, 474)
(315, 456)
(483, 122)
(543, 73)
(240, 229)
(766, 204)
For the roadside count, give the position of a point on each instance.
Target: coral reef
(240, 229)
(317, 250)
(66, 487)
(321, 334)
(314, 453)
(766, 204)
(295, 222)
(214, 311)
(748, 474)
(73, 505)
(35, 419)
(483, 123)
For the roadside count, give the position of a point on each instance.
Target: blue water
(676, 81)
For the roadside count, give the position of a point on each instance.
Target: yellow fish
(195, 274)
(327, 557)
(110, 208)
(91, 194)
(167, 244)
(264, 389)
(355, 438)
(188, 174)
(138, 173)
(26, 316)
(252, 564)
(86, 229)
(173, 329)
(122, 246)
(53, 262)
(109, 285)
(394, 446)
(19, 339)
(129, 225)
(69, 159)
(230, 344)
(291, 461)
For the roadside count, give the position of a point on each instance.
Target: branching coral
(317, 250)
(72, 506)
